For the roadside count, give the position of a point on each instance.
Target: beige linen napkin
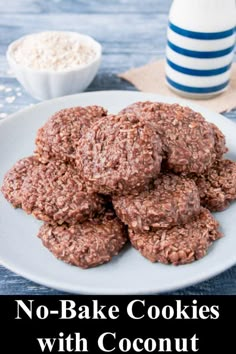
(151, 78)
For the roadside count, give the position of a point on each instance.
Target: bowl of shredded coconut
(54, 63)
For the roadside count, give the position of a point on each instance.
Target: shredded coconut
(8, 89)
(53, 51)
(10, 99)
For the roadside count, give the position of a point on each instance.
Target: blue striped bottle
(200, 46)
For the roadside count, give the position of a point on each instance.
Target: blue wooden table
(132, 33)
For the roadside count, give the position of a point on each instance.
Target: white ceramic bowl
(47, 84)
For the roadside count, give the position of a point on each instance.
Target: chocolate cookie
(119, 155)
(59, 137)
(180, 244)
(55, 192)
(85, 245)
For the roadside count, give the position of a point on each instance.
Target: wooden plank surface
(87, 6)
(132, 33)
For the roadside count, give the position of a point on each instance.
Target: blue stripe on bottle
(201, 35)
(197, 90)
(195, 72)
(198, 54)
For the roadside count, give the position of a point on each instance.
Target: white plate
(129, 273)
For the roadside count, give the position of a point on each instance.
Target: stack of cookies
(150, 174)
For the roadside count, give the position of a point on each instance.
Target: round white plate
(129, 273)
